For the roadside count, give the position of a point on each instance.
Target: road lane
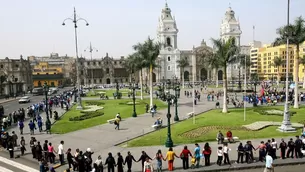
(11, 106)
(292, 168)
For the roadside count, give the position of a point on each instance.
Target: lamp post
(169, 141)
(286, 124)
(75, 20)
(46, 89)
(91, 49)
(133, 86)
(117, 88)
(177, 91)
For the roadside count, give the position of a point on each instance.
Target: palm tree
(277, 63)
(302, 61)
(296, 34)
(225, 54)
(149, 51)
(129, 65)
(182, 63)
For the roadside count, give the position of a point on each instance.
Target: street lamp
(46, 90)
(133, 87)
(75, 19)
(169, 141)
(176, 88)
(91, 49)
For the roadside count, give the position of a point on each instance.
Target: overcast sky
(33, 27)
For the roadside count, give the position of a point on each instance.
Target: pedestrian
(128, 160)
(298, 147)
(39, 123)
(269, 163)
(262, 151)
(61, 152)
(110, 162)
(184, 155)
(14, 138)
(99, 164)
(240, 153)
(120, 163)
(290, 148)
(207, 151)
(51, 155)
(21, 126)
(45, 149)
(148, 166)
(159, 158)
(197, 154)
(283, 147)
(32, 127)
(143, 158)
(38, 151)
(219, 156)
(220, 137)
(70, 158)
(274, 148)
(22, 146)
(48, 126)
(226, 150)
(117, 123)
(170, 156)
(10, 148)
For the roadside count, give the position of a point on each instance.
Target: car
(25, 99)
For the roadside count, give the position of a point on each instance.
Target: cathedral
(170, 54)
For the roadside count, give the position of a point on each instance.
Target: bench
(111, 121)
(235, 139)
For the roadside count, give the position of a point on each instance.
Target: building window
(115, 62)
(168, 68)
(100, 80)
(93, 63)
(1, 66)
(99, 63)
(94, 81)
(107, 70)
(169, 58)
(88, 63)
(81, 72)
(168, 41)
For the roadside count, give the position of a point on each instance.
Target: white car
(25, 99)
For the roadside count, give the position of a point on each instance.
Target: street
(16, 165)
(292, 168)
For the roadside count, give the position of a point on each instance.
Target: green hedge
(264, 112)
(86, 115)
(94, 102)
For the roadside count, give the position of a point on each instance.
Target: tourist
(10, 148)
(290, 148)
(184, 155)
(88, 158)
(207, 151)
(170, 156)
(148, 166)
(159, 158)
(262, 151)
(143, 158)
(21, 126)
(240, 153)
(99, 164)
(283, 147)
(269, 163)
(51, 154)
(95, 168)
(32, 127)
(220, 137)
(110, 162)
(70, 158)
(120, 162)
(230, 136)
(81, 162)
(273, 148)
(38, 150)
(45, 149)
(128, 160)
(219, 156)
(61, 152)
(117, 122)
(14, 138)
(22, 146)
(298, 147)
(197, 154)
(226, 150)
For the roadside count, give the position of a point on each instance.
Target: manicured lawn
(111, 108)
(109, 93)
(215, 121)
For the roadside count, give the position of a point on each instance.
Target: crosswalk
(7, 165)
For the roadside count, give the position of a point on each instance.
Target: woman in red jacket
(184, 155)
(207, 154)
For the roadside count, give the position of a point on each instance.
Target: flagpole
(245, 92)
(193, 77)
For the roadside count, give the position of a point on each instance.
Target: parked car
(25, 99)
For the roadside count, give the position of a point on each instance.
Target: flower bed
(272, 112)
(86, 115)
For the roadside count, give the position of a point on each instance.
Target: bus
(37, 91)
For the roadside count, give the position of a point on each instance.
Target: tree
(135, 64)
(302, 61)
(149, 52)
(129, 65)
(182, 63)
(224, 55)
(277, 63)
(296, 34)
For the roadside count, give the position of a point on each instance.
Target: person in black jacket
(128, 160)
(298, 147)
(290, 148)
(80, 162)
(240, 155)
(283, 147)
(10, 148)
(110, 161)
(120, 162)
(143, 158)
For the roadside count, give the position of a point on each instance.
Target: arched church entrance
(154, 77)
(108, 81)
(186, 75)
(203, 74)
(220, 75)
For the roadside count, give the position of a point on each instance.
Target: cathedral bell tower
(167, 36)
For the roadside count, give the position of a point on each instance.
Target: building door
(203, 74)
(108, 81)
(154, 77)
(220, 75)
(186, 75)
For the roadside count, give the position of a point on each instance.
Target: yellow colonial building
(42, 73)
(262, 62)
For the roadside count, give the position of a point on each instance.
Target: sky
(34, 27)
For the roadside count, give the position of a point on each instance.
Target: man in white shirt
(269, 163)
(61, 152)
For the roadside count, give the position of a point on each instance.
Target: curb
(129, 139)
(9, 100)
